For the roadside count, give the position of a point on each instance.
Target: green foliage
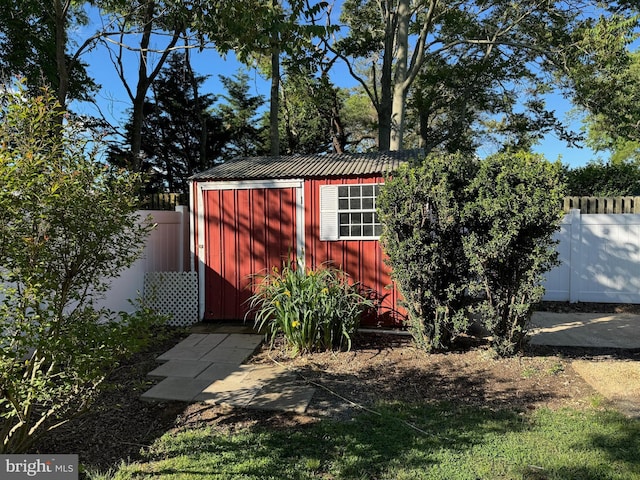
(602, 76)
(470, 238)
(180, 135)
(314, 309)
(420, 208)
(30, 30)
(604, 179)
(239, 115)
(508, 225)
(67, 226)
(310, 107)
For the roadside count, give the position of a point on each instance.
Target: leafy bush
(314, 309)
(67, 226)
(469, 238)
(509, 222)
(600, 179)
(420, 208)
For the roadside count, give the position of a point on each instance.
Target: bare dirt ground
(378, 368)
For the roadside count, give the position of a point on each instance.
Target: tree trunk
(385, 108)
(275, 98)
(61, 45)
(137, 115)
(399, 81)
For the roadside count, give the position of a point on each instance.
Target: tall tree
(311, 113)
(180, 135)
(34, 43)
(239, 114)
(396, 39)
(272, 30)
(151, 29)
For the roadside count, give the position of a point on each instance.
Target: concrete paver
(250, 342)
(228, 355)
(193, 347)
(217, 371)
(176, 389)
(283, 395)
(209, 368)
(180, 368)
(623, 391)
(598, 330)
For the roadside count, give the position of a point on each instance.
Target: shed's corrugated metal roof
(307, 166)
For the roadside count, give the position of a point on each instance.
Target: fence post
(575, 264)
(184, 232)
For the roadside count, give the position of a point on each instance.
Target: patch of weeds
(529, 372)
(556, 368)
(312, 464)
(489, 354)
(597, 401)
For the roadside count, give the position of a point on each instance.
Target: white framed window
(348, 212)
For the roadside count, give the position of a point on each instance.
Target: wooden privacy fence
(163, 201)
(602, 204)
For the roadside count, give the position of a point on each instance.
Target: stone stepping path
(209, 368)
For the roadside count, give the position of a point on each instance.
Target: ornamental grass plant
(313, 310)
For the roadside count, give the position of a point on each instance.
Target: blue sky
(114, 101)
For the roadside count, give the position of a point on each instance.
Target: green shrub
(67, 226)
(509, 221)
(469, 238)
(420, 209)
(314, 309)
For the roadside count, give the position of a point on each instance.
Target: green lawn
(448, 443)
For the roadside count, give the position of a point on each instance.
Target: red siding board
(362, 260)
(249, 231)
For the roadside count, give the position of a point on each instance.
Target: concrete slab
(193, 339)
(209, 368)
(599, 330)
(175, 389)
(193, 347)
(217, 371)
(236, 389)
(618, 381)
(283, 395)
(180, 368)
(234, 356)
(242, 341)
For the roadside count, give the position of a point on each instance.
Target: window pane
(367, 218)
(367, 230)
(356, 231)
(343, 191)
(378, 230)
(356, 218)
(367, 190)
(367, 203)
(344, 231)
(344, 219)
(376, 188)
(355, 204)
(343, 204)
(354, 191)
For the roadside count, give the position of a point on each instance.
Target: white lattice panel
(174, 294)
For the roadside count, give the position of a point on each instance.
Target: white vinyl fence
(161, 275)
(600, 255)
(166, 250)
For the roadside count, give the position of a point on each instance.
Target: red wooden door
(247, 232)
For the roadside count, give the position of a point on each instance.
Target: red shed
(252, 214)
